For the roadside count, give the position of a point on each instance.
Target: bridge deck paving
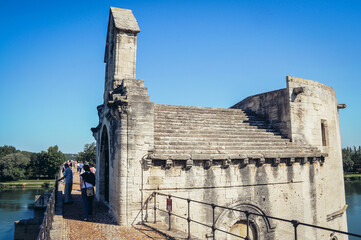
(99, 226)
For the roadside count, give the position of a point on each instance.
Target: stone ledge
(224, 160)
(174, 234)
(57, 225)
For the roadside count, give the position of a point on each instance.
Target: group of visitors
(79, 166)
(87, 183)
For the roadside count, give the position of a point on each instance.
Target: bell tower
(121, 48)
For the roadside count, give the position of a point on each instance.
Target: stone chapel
(276, 153)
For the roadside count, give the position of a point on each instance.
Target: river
(14, 206)
(353, 199)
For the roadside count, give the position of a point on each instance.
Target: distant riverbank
(350, 177)
(47, 183)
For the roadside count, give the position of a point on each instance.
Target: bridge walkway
(101, 225)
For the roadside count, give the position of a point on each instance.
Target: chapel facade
(276, 153)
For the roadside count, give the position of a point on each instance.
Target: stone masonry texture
(276, 153)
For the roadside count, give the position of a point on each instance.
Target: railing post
(169, 214)
(247, 216)
(295, 224)
(155, 207)
(214, 221)
(56, 190)
(189, 218)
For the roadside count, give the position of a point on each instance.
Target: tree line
(351, 159)
(18, 165)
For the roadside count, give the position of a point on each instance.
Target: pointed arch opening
(104, 165)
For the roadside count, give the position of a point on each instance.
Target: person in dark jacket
(87, 179)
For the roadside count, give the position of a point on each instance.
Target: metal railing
(46, 225)
(294, 223)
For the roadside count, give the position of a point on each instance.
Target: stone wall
(27, 229)
(284, 191)
(314, 106)
(274, 106)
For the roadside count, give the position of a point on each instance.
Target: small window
(324, 132)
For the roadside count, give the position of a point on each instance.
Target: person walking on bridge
(87, 180)
(68, 175)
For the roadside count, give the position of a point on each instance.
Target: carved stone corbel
(226, 163)
(312, 159)
(168, 163)
(207, 164)
(244, 161)
(290, 161)
(276, 161)
(303, 160)
(147, 163)
(189, 164)
(261, 161)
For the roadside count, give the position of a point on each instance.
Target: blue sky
(200, 53)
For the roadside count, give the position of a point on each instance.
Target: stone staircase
(202, 133)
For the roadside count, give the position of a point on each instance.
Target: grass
(352, 174)
(352, 177)
(28, 183)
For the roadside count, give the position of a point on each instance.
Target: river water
(353, 199)
(14, 206)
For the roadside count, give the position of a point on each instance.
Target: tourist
(87, 180)
(68, 175)
(81, 167)
(92, 168)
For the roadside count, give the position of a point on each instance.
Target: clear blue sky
(201, 53)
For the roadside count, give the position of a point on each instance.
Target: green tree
(348, 164)
(13, 167)
(47, 163)
(6, 150)
(89, 153)
(356, 158)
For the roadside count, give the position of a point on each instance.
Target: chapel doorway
(105, 162)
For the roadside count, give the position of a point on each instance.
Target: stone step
(174, 233)
(134, 90)
(230, 131)
(205, 115)
(216, 138)
(133, 82)
(138, 98)
(274, 152)
(177, 108)
(198, 119)
(259, 147)
(208, 122)
(196, 144)
(252, 133)
(215, 128)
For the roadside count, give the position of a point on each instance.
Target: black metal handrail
(46, 225)
(295, 223)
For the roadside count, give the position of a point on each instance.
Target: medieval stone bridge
(69, 223)
(273, 154)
